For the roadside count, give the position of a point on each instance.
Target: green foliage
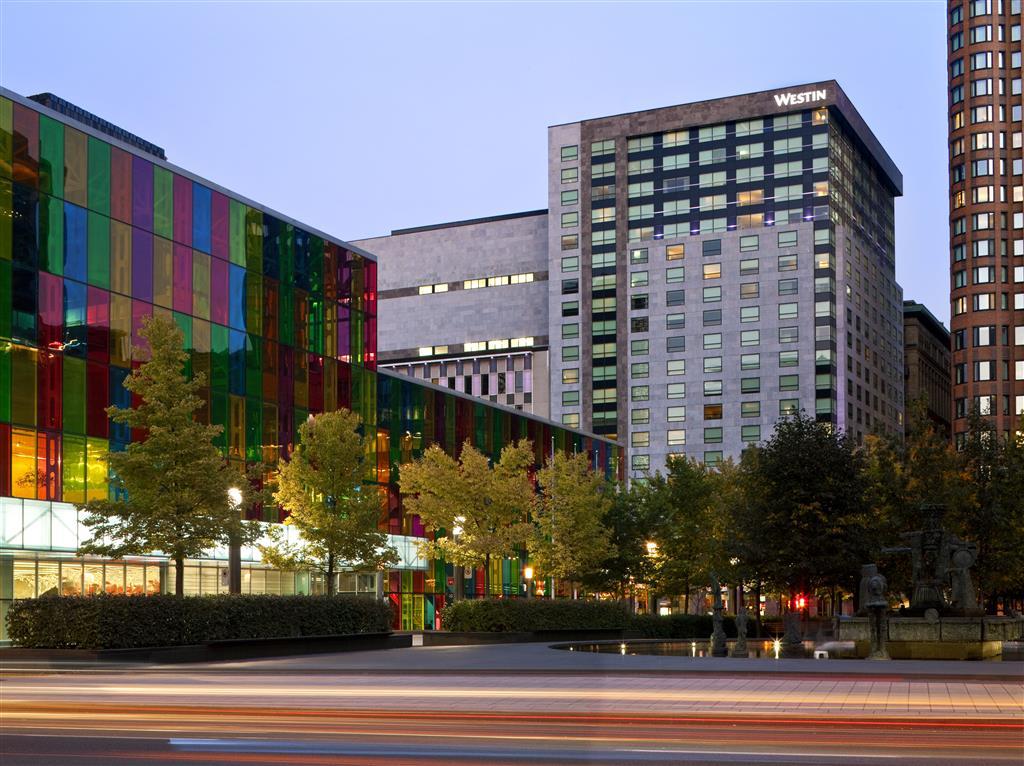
(569, 539)
(121, 622)
(336, 515)
(630, 526)
(525, 615)
(171, 487)
(482, 510)
(698, 626)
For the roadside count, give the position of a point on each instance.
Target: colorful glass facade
(96, 235)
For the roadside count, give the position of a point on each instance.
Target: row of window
(986, 336)
(498, 344)
(987, 302)
(988, 369)
(475, 284)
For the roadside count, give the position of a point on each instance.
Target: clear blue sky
(360, 118)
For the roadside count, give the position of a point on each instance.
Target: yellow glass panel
(96, 469)
(120, 257)
(24, 364)
(23, 463)
(163, 272)
(236, 427)
(200, 284)
(120, 330)
(76, 153)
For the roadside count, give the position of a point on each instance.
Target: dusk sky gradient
(360, 118)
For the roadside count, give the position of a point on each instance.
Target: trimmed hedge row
(120, 622)
(527, 615)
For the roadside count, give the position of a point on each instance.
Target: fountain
(933, 627)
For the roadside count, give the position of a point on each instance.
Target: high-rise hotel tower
(986, 212)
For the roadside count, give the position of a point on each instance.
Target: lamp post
(528, 576)
(459, 572)
(235, 544)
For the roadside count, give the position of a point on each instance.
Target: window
(570, 330)
(638, 279)
(675, 274)
(712, 340)
(749, 290)
(675, 344)
(712, 411)
(712, 388)
(571, 263)
(638, 324)
(570, 241)
(789, 407)
(570, 286)
(789, 334)
(711, 247)
(676, 437)
(571, 419)
(640, 416)
(641, 144)
(789, 358)
(789, 310)
(750, 361)
(570, 219)
(712, 364)
(676, 414)
(713, 435)
(639, 369)
(639, 347)
(570, 353)
(750, 385)
(571, 375)
(750, 314)
(750, 409)
(712, 270)
(787, 263)
(675, 252)
(712, 317)
(637, 255)
(640, 462)
(638, 302)
(570, 153)
(748, 267)
(598, 148)
(675, 391)
(570, 398)
(788, 286)
(675, 297)
(570, 175)
(749, 243)
(789, 382)
(675, 367)
(639, 393)
(570, 308)
(750, 433)
(640, 439)
(675, 321)
(712, 294)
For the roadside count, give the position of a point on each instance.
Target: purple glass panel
(142, 193)
(183, 213)
(220, 226)
(220, 304)
(142, 265)
(344, 341)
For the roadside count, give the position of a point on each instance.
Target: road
(326, 712)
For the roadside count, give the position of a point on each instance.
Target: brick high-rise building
(986, 178)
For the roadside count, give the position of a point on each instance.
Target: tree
(569, 539)
(807, 507)
(170, 487)
(252, 492)
(629, 528)
(336, 516)
(481, 512)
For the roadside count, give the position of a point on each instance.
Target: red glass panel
(98, 330)
(97, 387)
(270, 308)
(370, 341)
(183, 279)
(396, 609)
(120, 185)
(315, 376)
(49, 461)
(269, 370)
(26, 152)
(417, 581)
(183, 211)
(49, 380)
(344, 386)
(51, 312)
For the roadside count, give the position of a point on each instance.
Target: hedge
(526, 615)
(118, 622)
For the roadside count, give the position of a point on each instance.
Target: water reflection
(767, 649)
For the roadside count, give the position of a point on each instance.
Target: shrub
(120, 622)
(682, 626)
(525, 615)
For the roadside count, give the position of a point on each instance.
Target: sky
(360, 118)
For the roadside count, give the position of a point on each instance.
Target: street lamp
(458, 571)
(235, 544)
(528, 576)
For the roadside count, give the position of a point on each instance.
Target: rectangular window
(789, 334)
(639, 347)
(676, 414)
(787, 263)
(713, 435)
(675, 297)
(638, 279)
(639, 369)
(570, 398)
(675, 321)
(640, 439)
(789, 382)
(788, 407)
(570, 219)
(570, 353)
(640, 416)
(570, 197)
(750, 314)
(571, 375)
(789, 358)
(675, 344)
(675, 391)
(712, 294)
(750, 361)
(712, 270)
(712, 388)
(750, 337)
(639, 393)
(749, 290)
(676, 274)
(675, 252)
(570, 153)
(676, 437)
(570, 241)
(750, 433)
(789, 310)
(712, 411)
(675, 367)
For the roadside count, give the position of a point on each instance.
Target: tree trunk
(757, 608)
(179, 575)
(330, 575)
(686, 597)
(487, 576)
(234, 564)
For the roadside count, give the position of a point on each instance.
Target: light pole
(235, 544)
(528, 576)
(459, 572)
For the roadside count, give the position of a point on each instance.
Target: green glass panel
(219, 417)
(99, 250)
(356, 338)
(286, 317)
(51, 234)
(236, 233)
(254, 302)
(163, 202)
(73, 395)
(51, 156)
(219, 351)
(253, 430)
(200, 284)
(73, 468)
(254, 240)
(287, 255)
(316, 265)
(96, 468)
(253, 366)
(99, 176)
(6, 219)
(5, 388)
(6, 138)
(23, 385)
(5, 301)
(316, 325)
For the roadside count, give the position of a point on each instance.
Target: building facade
(717, 265)
(478, 292)
(928, 363)
(986, 217)
(95, 235)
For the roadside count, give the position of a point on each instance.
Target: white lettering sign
(805, 97)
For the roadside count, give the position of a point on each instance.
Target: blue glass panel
(236, 297)
(76, 234)
(120, 434)
(75, 318)
(202, 199)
